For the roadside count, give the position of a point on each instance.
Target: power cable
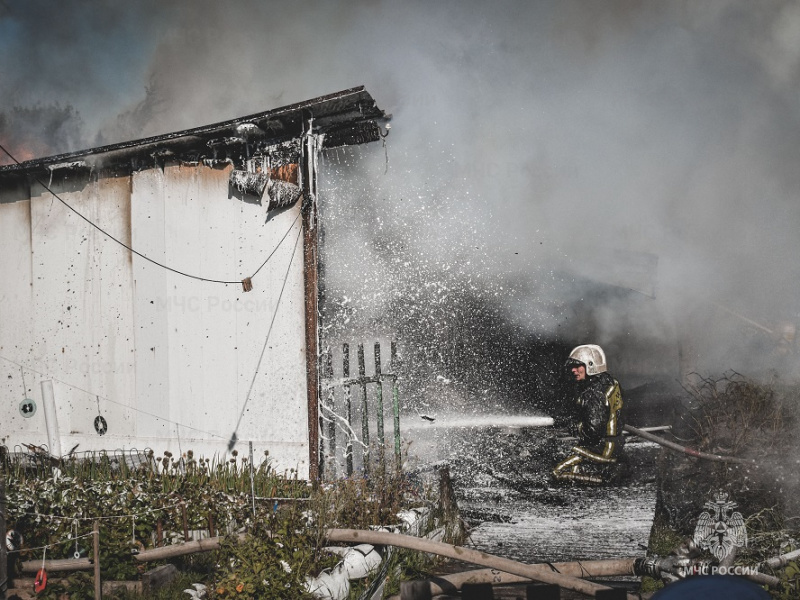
(131, 515)
(68, 540)
(234, 438)
(139, 254)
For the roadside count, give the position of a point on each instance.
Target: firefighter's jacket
(600, 411)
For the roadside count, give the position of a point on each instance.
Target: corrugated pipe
(685, 450)
(541, 573)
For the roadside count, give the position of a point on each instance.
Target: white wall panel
(82, 335)
(215, 332)
(151, 308)
(16, 322)
(166, 359)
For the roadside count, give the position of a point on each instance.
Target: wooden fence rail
(338, 414)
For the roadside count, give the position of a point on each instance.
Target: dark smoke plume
(620, 172)
(41, 130)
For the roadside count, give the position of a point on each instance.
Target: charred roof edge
(352, 105)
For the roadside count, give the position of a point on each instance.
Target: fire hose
(541, 572)
(565, 575)
(689, 451)
(782, 560)
(449, 584)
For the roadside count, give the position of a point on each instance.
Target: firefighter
(599, 427)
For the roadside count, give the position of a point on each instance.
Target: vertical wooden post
(331, 405)
(447, 498)
(211, 530)
(252, 480)
(448, 508)
(185, 522)
(362, 376)
(159, 533)
(98, 587)
(3, 550)
(379, 397)
(348, 452)
(381, 437)
(395, 405)
(308, 174)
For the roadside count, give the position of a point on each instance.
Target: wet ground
(504, 490)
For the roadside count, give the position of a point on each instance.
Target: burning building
(162, 293)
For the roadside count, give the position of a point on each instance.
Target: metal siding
(16, 322)
(82, 335)
(149, 342)
(150, 307)
(211, 334)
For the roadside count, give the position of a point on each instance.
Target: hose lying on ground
(541, 572)
(163, 553)
(449, 584)
(782, 560)
(690, 451)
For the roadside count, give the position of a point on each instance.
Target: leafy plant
(272, 562)
(161, 499)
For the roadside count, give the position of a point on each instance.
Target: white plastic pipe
(51, 419)
(331, 584)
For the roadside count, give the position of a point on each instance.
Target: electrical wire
(234, 438)
(63, 541)
(232, 441)
(104, 517)
(140, 513)
(136, 252)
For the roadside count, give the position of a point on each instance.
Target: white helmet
(591, 356)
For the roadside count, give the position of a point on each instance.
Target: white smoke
(619, 172)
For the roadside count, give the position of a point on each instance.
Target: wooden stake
(362, 375)
(185, 522)
(98, 587)
(212, 532)
(348, 451)
(252, 480)
(379, 386)
(393, 367)
(3, 555)
(331, 405)
(308, 210)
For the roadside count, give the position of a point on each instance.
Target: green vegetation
(160, 500)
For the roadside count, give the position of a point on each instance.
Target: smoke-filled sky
(651, 145)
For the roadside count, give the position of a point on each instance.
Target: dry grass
(741, 417)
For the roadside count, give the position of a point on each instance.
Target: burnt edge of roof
(346, 117)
